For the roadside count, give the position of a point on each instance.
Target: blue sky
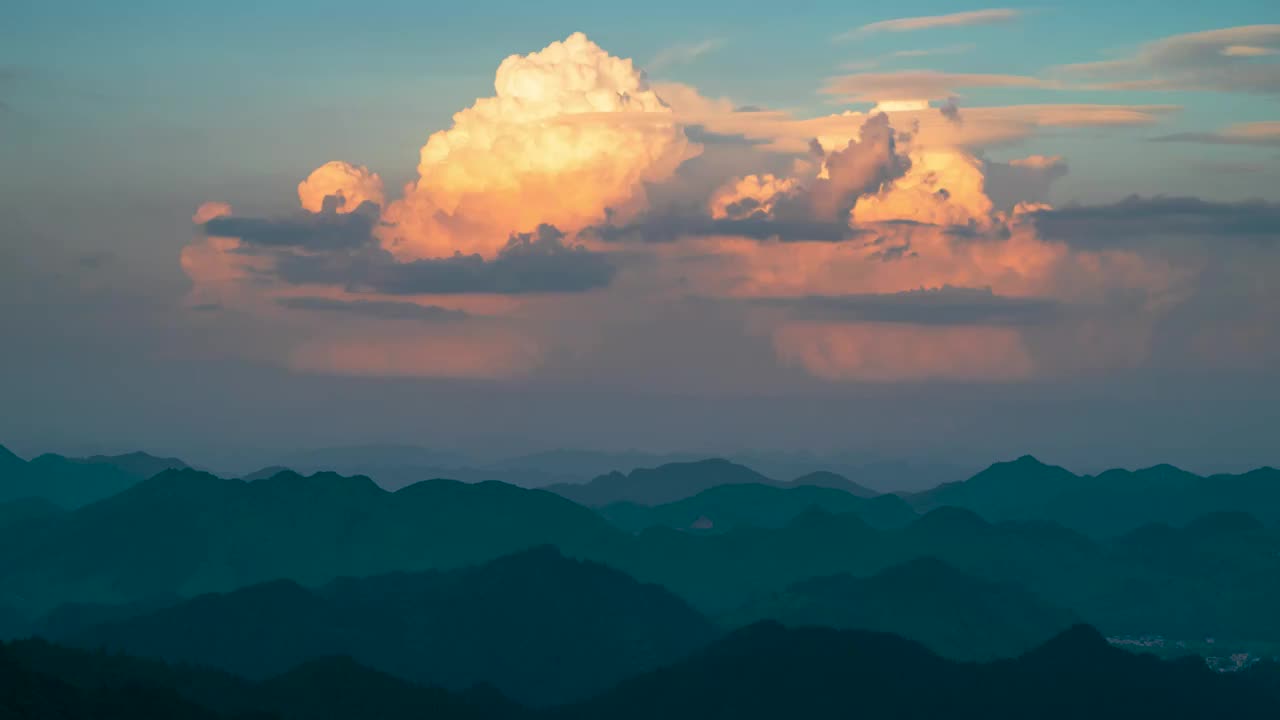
(287, 84)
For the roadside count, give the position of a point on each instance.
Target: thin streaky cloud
(1233, 59)
(920, 84)
(683, 54)
(989, 16)
(1255, 133)
(874, 62)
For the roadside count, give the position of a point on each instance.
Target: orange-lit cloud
(571, 134)
(750, 194)
(470, 272)
(918, 84)
(943, 187)
(466, 354)
(351, 185)
(887, 352)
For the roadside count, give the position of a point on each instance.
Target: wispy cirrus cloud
(1255, 133)
(386, 309)
(1226, 60)
(988, 16)
(860, 65)
(683, 54)
(920, 84)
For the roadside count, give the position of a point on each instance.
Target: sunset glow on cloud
(548, 196)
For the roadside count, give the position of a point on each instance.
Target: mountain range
(953, 614)
(725, 507)
(761, 671)
(73, 482)
(541, 628)
(1107, 504)
(676, 481)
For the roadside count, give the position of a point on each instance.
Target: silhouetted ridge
(726, 507)
(835, 481)
(1109, 504)
(189, 532)
(540, 627)
(925, 599)
(663, 484)
(1075, 642)
(142, 464)
(8, 460)
(1226, 522)
(952, 520)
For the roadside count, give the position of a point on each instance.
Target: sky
(927, 230)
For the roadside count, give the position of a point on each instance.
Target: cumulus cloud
(571, 135)
(328, 229)
(530, 263)
(352, 186)
(1023, 181)
(855, 247)
(943, 187)
(749, 195)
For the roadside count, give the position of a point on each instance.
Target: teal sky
(105, 90)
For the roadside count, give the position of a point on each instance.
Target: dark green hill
(664, 484)
(539, 627)
(73, 682)
(65, 482)
(1107, 504)
(184, 532)
(953, 614)
(768, 671)
(140, 464)
(726, 507)
(762, 671)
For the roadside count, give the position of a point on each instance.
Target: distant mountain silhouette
(726, 507)
(26, 513)
(185, 532)
(763, 671)
(539, 627)
(1107, 504)
(664, 484)
(827, 479)
(72, 684)
(768, 671)
(953, 614)
(71, 482)
(138, 463)
(28, 694)
(677, 481)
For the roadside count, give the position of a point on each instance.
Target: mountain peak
(7, 457)
(1074, 642)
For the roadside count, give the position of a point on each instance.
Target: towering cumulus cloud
(864, 246)
(351, 186)
(571, 134)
